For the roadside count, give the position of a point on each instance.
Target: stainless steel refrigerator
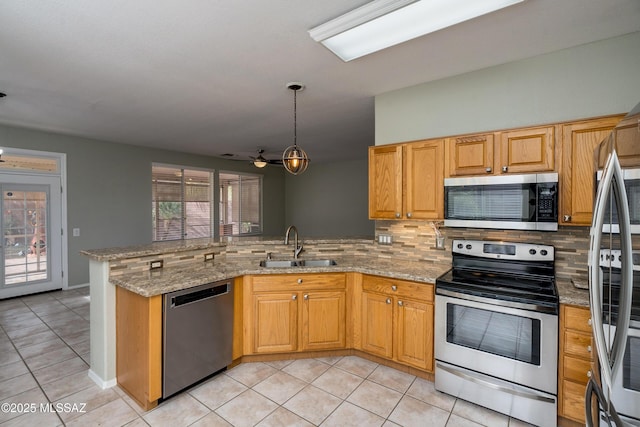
(613, 391)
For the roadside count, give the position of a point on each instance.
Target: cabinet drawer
(292, 282)
(573, 400)
(576, 369)
(577, 344)
(399, 288)
(577, 318)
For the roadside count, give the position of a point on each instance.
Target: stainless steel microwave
(632, 186)
(516, 202)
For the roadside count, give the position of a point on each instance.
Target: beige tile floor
(44, 356)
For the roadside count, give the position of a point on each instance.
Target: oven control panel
(504, 250)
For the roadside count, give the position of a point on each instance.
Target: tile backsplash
(416, 240)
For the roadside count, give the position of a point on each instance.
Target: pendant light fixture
(294, 158)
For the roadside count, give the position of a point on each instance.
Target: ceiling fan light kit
(294, 158)
(260, 161)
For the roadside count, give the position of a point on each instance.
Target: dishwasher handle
(199, 295)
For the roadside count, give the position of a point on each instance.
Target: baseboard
(100, 382)
(81, 285)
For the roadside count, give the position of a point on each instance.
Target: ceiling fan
(260, 161)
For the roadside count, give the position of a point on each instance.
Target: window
(181, 200)
(240, 204)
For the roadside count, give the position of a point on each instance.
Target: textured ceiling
(209, 77)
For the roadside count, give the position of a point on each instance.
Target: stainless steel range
(496, 329)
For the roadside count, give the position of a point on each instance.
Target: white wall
(591, 80)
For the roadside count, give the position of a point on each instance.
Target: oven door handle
(495, 301)
(484, 380)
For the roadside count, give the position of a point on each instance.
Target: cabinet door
(377, 324)
(385, 182)
(527, 150)
(471, 155)
(414, 334)
(323, 320)
(424, 180)
(579, 141)
(275, 322)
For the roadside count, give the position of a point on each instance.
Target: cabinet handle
(408, 214)
(394, 288)
(306, 296)
(299, 281)
(388, 301)
(294, 297)
(589, 374)
(505, 168)
(589, 322)
(488, 170)
(397, 214)
(589, 348)
(400, 303)
(567, 218)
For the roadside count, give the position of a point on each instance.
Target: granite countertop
(573, 291)
(156, 282)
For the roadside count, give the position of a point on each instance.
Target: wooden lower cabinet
(323, 320)
(395, 323)
(377, 324)
(575, 361)
(296, 312)
(276, 322)
(139, 346)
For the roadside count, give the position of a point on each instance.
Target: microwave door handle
(610, 357)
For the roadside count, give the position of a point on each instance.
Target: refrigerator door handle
(612, 183)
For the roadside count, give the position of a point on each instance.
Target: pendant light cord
(295, 118)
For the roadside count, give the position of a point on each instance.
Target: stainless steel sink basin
(319, 262)
(280, 263)
(271, 263)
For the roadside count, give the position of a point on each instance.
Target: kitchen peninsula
(365, 275)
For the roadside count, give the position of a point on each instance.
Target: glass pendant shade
(295, 160)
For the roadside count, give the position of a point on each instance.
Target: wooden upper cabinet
(424, 180)
(406, 181)
(579, 142)
(471, 155)
(627, 139)
(385, 182)
(527, 150)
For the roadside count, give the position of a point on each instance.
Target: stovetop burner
(512, 274)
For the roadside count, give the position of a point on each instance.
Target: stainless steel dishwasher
(197, 334)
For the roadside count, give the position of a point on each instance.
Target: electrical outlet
(384, 239)
(76, 232)
(208, 257)
(155, 264)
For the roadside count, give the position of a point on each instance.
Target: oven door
(515, 345)
(625, 391)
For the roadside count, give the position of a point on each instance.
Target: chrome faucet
(296, 248)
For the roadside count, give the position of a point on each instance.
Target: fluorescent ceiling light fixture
(384, 23)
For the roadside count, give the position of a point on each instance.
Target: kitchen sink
(280, 263)
(270, 263)
(319, 262)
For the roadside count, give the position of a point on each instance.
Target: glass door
(31, 228)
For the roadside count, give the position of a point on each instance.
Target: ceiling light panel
(350, 37)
